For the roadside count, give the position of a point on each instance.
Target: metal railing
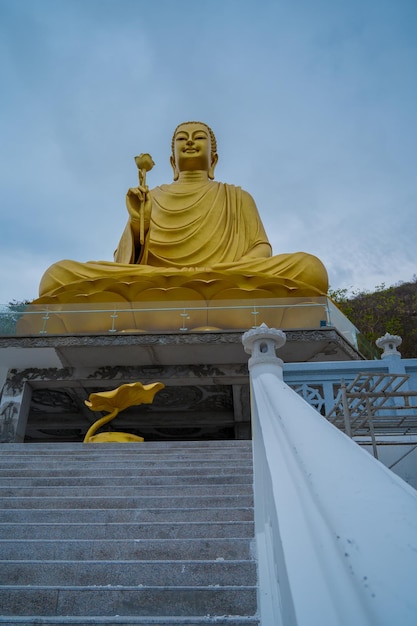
(375, 404)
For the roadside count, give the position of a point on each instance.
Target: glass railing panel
(175, 316)
(349, 331)
(341, 322)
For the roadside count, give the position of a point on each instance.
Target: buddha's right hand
(138, 203)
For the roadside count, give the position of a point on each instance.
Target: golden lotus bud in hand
(144, 162)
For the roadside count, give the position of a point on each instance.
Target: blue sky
(313, 103)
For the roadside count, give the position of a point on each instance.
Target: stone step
(129, 601)
(164, 465)
(153, 477)
(139, 490)
(111, 530)
(58, 447)
(139, 514)
(126, 449)
(144, 573)
(94, 451)
(199, 447)
(124, 549)
(129, 460)
(149, 533)
(147, 620)
(114, 502)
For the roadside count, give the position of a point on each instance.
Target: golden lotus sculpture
(114, 401)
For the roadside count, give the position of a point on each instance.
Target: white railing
(336, 531)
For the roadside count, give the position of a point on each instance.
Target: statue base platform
(206, 395)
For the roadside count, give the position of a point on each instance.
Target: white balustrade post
(389, 344)
(392, 357)
(336, 531)
(260, 342)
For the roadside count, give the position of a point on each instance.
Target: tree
(386, 309)
(9, 315)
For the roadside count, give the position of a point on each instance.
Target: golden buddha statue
(193, 239)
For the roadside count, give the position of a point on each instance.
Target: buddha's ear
(212, 166)
(174, 168)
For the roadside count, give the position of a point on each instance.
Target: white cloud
(20, 273)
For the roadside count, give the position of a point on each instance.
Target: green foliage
(386, 309)
(9, 315)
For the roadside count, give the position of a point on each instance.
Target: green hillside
(387, 309)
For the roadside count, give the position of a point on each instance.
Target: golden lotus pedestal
(171, 301)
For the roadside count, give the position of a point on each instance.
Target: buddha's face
(192, 148)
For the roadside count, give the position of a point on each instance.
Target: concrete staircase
(152, 533)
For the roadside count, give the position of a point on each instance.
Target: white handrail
(336, 531)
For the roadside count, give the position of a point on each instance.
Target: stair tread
(126, 529)
(158, 600)
(192, 620)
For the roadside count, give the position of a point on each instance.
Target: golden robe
(204, 238)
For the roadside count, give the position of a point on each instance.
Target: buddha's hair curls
(213, 142)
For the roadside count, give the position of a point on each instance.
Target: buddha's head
(194, 147)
